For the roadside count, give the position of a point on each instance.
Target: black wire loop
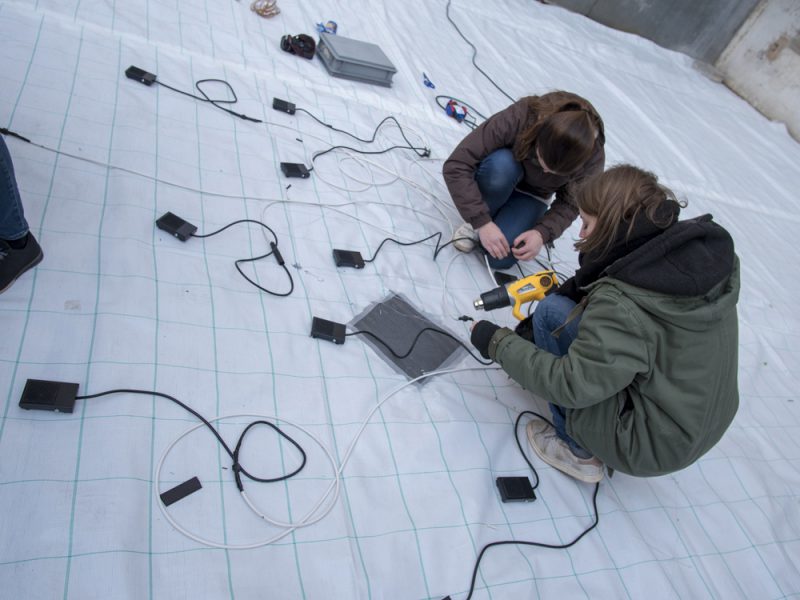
(273, 251)
(233, 454)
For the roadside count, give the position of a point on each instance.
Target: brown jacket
(500, 131)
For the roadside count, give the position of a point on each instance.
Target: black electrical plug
(140, 75)
(43, 394)
(283, 106)
(176, 226)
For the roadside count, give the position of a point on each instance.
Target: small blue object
(329, 27)
(427, 81)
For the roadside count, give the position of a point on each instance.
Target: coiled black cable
(237, 468)
(274, 251)
(215, 103)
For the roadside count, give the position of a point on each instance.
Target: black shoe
(14, 262)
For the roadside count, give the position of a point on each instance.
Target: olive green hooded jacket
(650, 382)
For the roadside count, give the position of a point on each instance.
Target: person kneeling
(637, 353)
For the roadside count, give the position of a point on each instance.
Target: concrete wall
(752, 46)
(699, 28)
(762, 62)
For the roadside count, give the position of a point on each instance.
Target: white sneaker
(555, 452)
(465, 238)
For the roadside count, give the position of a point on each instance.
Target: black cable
(561, 277)
(416, 339)
(536, 544)
(399, 243)
(206, 98)
(422, 152)
(237, 466)
(519, 444)
(274, 250)
(234, 455)
(475, 53)
(522, 542)
(355, 137)
(5, 131)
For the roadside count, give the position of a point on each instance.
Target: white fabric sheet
(118, 303)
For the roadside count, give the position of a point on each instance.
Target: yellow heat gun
(519, 292)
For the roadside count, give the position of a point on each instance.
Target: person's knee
(551, 312)
(498, 173)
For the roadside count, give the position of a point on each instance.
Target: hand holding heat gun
(519, 292)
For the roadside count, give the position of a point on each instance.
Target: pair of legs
(550, 314)
(19, 250)
(514, 212)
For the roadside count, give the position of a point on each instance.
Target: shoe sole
(560, 466)
(32, 264)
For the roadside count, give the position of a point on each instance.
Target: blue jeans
(550, 314)
(13, 225)
(512, 211)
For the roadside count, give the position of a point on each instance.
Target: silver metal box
(353, 59)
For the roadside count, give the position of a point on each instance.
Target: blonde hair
(616, 198)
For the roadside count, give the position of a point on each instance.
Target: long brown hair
(616, 198)
(564, 128)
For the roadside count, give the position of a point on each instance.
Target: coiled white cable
(332, 490)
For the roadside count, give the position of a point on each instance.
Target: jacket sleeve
(605, 357)
(499, 131)
(564, 209)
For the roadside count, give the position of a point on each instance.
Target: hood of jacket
(681, 275)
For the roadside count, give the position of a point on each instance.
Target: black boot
(14, 261)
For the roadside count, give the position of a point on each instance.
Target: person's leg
(13, 225)
(556, 452)
(560, 425)
(19, 250)
(520, 213)
(513, 212)
(550, 314)
(497, 176)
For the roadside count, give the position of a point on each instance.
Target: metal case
(356, 60)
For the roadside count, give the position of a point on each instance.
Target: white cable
(147, 176)
(445, 309)
(372, 183)
(305, 520)
(407, 180)
(167, 182)
(335, 208)
(321, 177)
(232, 196)
(361, 158)
(488, 268)
(333, 489)
(436, 204)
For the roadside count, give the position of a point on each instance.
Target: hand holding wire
(493, 240)
(527, 245)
